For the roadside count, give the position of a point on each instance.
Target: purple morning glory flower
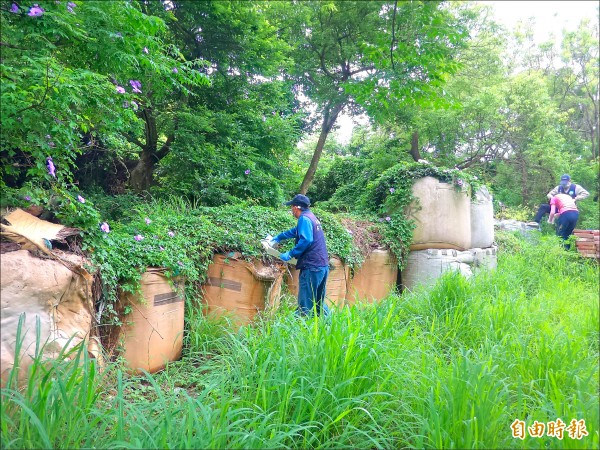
(120, 90)
(247, 171)
(51, 168)
(459, 182)
(138, 237)
(136, 85)
(161, 248)
(14, 8)
(148, 221)
(392, 190)
(71, 4)
(170, 233)
(175, 70)
(104, 227)
(35, 11)
(81, 199)
(146, 50)
(28, 198)
(388, 218)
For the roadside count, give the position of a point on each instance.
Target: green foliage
(61, 75)
(520, 213)
(341, 171)
(182, 238)
(60, 201)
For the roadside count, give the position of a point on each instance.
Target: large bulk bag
(291, 279)
(426, 266)
(442, 216)
(241, 288)
(55, 291)
(152, 333)
(374, 279)
(486, 258)
(482, 219)
(337, 281)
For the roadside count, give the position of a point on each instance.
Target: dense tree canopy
(215, 100)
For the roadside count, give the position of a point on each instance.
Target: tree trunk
(329, 118)
(414, 146)
(141, 176)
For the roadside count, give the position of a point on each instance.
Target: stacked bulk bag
(424, 267)
(152, 333)
(482, 219)
(442, 216)
(240, 288)
(452, 232)
(485, 258)
(374, 279)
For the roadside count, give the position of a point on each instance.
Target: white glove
(271, 242)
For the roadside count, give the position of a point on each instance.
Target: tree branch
(6, 44)
(133, 140)
(43, 96)
(393, 34)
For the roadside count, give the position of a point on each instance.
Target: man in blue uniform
(565, 187)
(311, 252)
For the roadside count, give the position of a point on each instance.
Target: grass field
(451, 366)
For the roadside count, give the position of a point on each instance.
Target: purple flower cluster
(392, 190)
(51, 168)
(136, 85)
(81, 199)
(247, 171)
(14, 8)
(35, 11)
(120, 89)
(104, 227)
(70, 7)
(138, 237)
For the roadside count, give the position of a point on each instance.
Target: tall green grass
(450, 366)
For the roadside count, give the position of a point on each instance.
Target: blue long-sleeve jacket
(310, 248)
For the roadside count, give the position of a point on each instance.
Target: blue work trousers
(311, 291)
(565, 224)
